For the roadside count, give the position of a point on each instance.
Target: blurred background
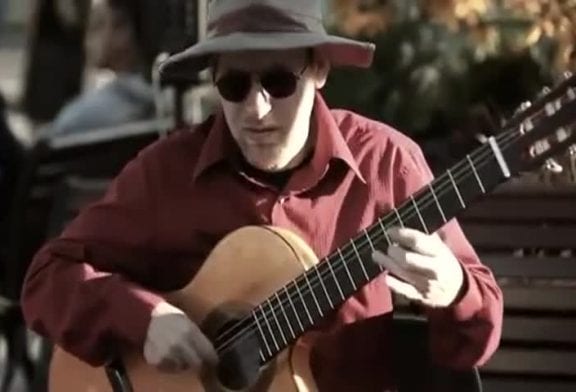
(79, 97)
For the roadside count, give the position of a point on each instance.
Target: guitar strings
(507, 139)
(457, 173)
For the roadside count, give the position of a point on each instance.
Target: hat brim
(338, 50)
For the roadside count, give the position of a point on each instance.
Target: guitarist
(273, 153)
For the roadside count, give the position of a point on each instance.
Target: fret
(476, 173)
(347, 270)
(444, 220)
(372, 248)
(267, 325)
(324, 287)
(294, 309)
(384, 232)
(398, 217)
(359, 259)
(292, 334)
(456, 189)
(276, 320)
(499, 158)
(342, 296)
(419, 215)
(261, 331)
(304, 303)
(313, 295)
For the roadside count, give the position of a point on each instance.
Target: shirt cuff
(132, 308)
(469, 302)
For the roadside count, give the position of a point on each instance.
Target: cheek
(232, 115)
(297, 109)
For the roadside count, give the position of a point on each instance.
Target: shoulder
(181, 146)
(376, 141)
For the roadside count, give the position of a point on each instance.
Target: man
(115, 48)
(273, 154)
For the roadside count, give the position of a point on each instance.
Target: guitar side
(244, 268)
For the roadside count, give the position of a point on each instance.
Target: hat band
(263, 19)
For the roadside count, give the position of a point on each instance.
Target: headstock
(542, 129)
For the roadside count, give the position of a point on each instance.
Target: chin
(267, 166)
(270, 161)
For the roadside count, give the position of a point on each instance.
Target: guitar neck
(305, 301)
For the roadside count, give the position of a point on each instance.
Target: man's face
(110, 41)
(271, 131)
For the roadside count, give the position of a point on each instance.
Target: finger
(412, 261)
(171, 365)
(204, 347)
(393, 268)
(403, 288)
(188, 355)
(414, 240)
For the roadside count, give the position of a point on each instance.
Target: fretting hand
(421, 268)
(175, 343)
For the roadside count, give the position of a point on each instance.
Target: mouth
(260, 130)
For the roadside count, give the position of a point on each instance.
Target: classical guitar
(258, 323)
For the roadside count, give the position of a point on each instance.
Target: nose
(257, 103)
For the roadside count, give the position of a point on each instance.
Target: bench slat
(536, 329)
(523, 209)
(532, 361)
(540, 298)
(531, 266)
(509, 236)
(496, 384)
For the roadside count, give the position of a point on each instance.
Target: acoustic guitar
(258, 324)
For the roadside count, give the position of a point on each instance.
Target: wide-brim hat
(238, 25)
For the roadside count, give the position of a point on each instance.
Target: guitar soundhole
(239, 363)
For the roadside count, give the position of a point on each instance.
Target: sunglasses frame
(257, 77)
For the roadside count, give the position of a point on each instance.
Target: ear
(321, 71)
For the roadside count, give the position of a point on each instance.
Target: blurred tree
(447, 70)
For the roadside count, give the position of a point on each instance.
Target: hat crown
(223, 15)
(238, 25)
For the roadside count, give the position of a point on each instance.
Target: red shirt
(170, 206)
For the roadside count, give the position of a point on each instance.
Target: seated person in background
(10, 156)
(11, 153)
(114, 46)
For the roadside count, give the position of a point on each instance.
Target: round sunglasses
(235, 85)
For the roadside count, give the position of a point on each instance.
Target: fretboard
(302, 303)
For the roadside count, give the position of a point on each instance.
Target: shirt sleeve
(467, 333)
(77, 291)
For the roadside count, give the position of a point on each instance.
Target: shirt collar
(330, 144)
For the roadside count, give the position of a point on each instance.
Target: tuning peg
(522, 108)
(572, 150)
(545, 90)
(525, 105)
(553, 166)
(567, 74)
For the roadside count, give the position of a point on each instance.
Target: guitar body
(244, 268)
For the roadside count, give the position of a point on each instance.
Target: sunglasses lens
(234, 86)
(279, 83)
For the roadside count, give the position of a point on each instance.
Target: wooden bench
(527, 235)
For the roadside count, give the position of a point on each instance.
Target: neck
(305, 151)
